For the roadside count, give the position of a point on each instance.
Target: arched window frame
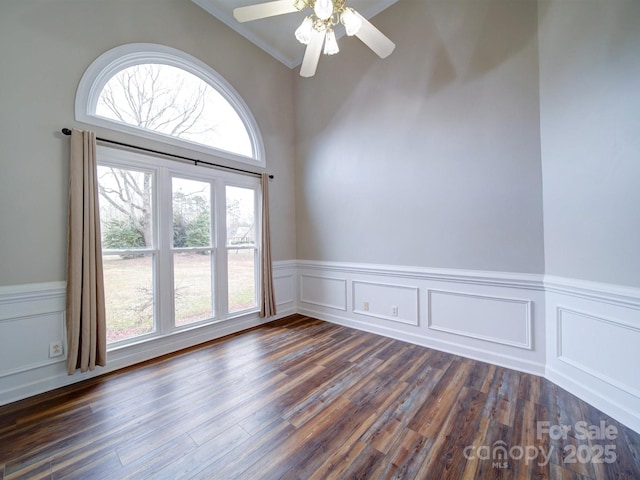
(103, 68)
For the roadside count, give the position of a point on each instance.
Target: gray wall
(430, 157)
(590, 130)
(44, 49)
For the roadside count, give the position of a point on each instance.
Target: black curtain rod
(195, 161)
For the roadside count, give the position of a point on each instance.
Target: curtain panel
(268, 303)
(85, 305)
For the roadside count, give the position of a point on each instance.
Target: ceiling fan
(317, 27)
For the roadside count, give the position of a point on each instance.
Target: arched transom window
(161, 93)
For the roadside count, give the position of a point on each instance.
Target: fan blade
(264, 10)
(374, 38)
(312, 54)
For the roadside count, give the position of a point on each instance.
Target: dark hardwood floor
(304, 399)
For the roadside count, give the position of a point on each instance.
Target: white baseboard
(621, 407)
(454, 348)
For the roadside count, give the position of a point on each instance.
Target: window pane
(128, 282)
(125, 208)
(242, 279)
(191, 213)
(192, 287)
(173, 102)
(240, 216)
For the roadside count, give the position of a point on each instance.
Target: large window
(179, 244)
(179, 241)
(164, 94)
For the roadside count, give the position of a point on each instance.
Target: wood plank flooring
(304, 399)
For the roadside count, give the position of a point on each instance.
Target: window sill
(199, 330)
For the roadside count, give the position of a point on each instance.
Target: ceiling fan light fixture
(303, 32)
(351, 21)
(323, 9)
(330, 43)
(317, 29)
(300, 4)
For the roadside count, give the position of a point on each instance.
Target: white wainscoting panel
(606, 352)
(395, 303)
(284, 288)
(31, 316)
(593, 345)
(487, 316)
(495, 319)
(324, 291)
(24, 342)
(583, 336)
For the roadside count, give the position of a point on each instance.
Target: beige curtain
(85, 314)
(268, 303)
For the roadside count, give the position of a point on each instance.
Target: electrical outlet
(55, 349)
(365, 307)
(394, 311)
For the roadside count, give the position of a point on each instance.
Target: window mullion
(164, 263)
(222, 283)
(258, 244)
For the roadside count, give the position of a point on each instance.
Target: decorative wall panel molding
(598, 292)
(593, 333)
(284, 287)
(324, 291)
(606, 352)
(30, 318)
(527, 281)
(495, 319)
(395, 303)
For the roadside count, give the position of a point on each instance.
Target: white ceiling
(275, 35)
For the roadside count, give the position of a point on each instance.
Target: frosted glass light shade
(323, 9)
(330, 43)
(351, 21)
(303, 32)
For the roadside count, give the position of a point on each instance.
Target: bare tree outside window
(174, 102)
(153, 98)
(125, 208)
